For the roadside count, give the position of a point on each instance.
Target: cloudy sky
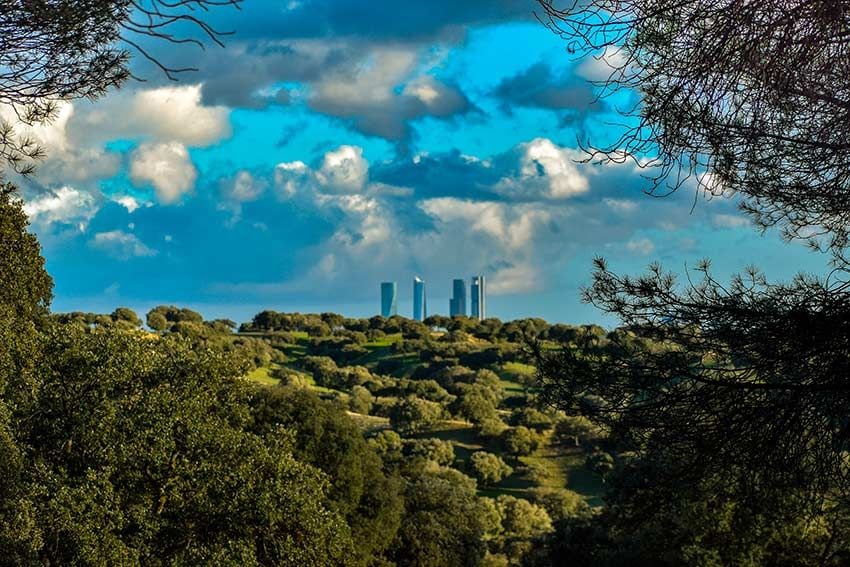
(334, 144)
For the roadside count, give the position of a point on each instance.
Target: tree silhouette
(56, 50)
(745, 382)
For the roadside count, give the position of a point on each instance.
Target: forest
(426, 438)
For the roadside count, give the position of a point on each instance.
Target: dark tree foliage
(137, 452)
(55, 50)
(25, 293)
(746, 381)
(753, 93)
(328, 439)
(444, 525)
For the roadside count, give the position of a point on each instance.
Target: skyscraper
(389, 299)
(478, 292)
(420, 302)
(457, 305)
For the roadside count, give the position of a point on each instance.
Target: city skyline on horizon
(457, 303)
(404, 147)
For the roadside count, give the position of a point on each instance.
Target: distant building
(457, 304)
(389, 299)
(478, 293)
(420, 302)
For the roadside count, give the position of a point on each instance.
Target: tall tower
(478, 292)
(420, 302)
(457, 305)
(389, 299)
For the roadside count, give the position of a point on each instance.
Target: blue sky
(335, 144)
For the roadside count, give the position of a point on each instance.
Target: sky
(334, 144)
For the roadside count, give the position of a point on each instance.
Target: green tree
(444, 523)
(474, 404)
(412, 415)
(25, 293)
(574, 429)
(560, 503)
(519, 441)
(521, 518)
(157, 321)
(328, 439)
(361, 400)
(126, 316)
(137, 452)
(488, 468)
(436, 450)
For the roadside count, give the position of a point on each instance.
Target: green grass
(369, 423)
(384, 341)
(563, 466)
(519, 368)
(261, 376)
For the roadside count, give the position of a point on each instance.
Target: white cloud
(642, 246)
(67, 161)
(245, 187)
(604, 66)
(289, 177)
(729, 221)
(166, 114)
(438, 98)
(546, 171)
(167, 167)
(344, 170)
(621, 206)
(65, 205)
(515, 279)
(513, 227)
(75, 139)
(129, 202)
(121, 245)
(176, 113)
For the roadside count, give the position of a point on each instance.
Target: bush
(437, 450)
(488, 468)
(520, 441)
(412, 415)
(491, 428)
(361, 400)
(560, 504)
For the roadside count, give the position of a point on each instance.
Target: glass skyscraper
(389, 299)
(457, 304)
(420, 302)
(478, 292)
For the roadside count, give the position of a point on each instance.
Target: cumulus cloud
(344, 170)
(165, 166)
(244, 187)
(166, 120)
(164, 114)
(65, 205)
(129, 202)
(289, 177)
(176, 113)
(121, 245)
(546, 171)
(367, 94)
(67, 161)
